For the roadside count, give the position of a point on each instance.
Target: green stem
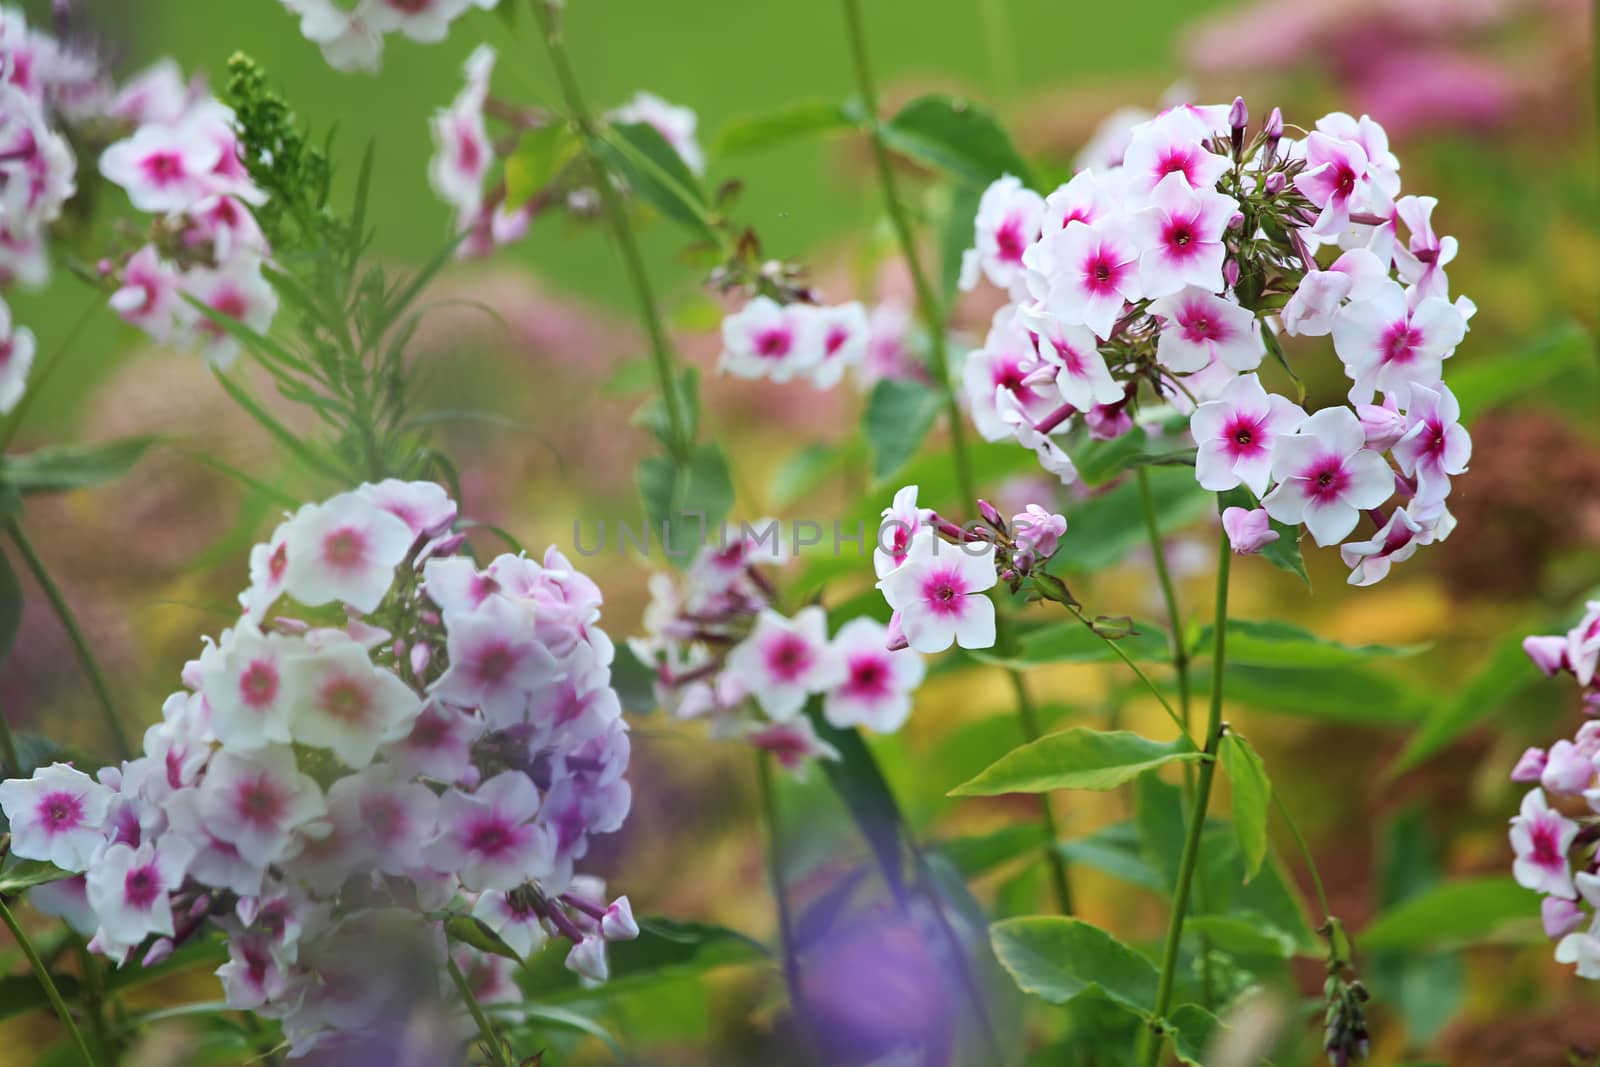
(49, 984)
(1305, 851)
(94, 998)
(1197, 817)
(546, 11)
(932, 313)
(1116, 647)
(486, 1031)
(780, 892)
(80, 645)
(56, 359)
(8, 750)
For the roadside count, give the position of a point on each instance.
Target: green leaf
(653, 415)
(956, 236)
(1451, 913)
(1426, 988)
(1350, 694)
(792, 122)
(980, 853)
(290, 440)
(1252, 799)
(22, 993)
(898, 416)
(1057, 958)
(1070, 641)
(1489, 689)
(1242, 934)
(20, 875)
(1100, 461)
(955, 136)
(1159, 818)
(688, 497)
(1192, 1027)
(1267, 643)
(1108, 526)
(1079, 758)
(57, 468)
(10, 609)
(634, 680)
(561, 1019)
(1484, 383)
(539, 158)
(804, 471)
(654, 170)
(1116, 850)
(470, 930)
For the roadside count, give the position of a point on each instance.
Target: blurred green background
(1507, 145)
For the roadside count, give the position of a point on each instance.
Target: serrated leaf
(1058, 958)
(1079, 758)
(898, 416)
(57, 468)
(792, 122)
(1252, 800)
(540, 156)
(955, 136)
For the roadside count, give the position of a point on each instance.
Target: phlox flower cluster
(1175, 264)
(1555, 833)
(723, 651)
(816, 343)
(935, 574)
(180, 164)
(351, 35)
(388, 730)
(464, 155)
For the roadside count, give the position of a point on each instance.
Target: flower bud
(588, 959)
(1275, 183)
(1530, 766)
(1560, 916)
(1230, 272)
(1549, 654)
(618, 923)
(1238, 119)
(991, 515)
(1248, 531)
(1038, 532)
(159, 950)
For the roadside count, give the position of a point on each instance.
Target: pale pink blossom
(1435, 446)
(236, 290)
(768, 340)
(520, 926)
(1180, 235)
(1356, 275)
(1007, 222)
(1530, 765)
(164, 168)
(490, 837)
(462, 150)
(1038, 532)
(256, 801)
(793, 743)
(1388, 346)
(1198, 326)
(785, 660)
(1084, 274)
(426, 21)
(424, 506)
(1369, 561)
(876, 688)
(1421, 261)
(57, 815)
(243, 681)
(1560, 916)
(1235, 435)
(1082, 377)
(384, 817)
(939, 593)
(129, 889)
(148, 295)
(1541, 837)
(1335, 179)
(1087, 198)
(1003, 365)
(1171, 144)
(1326, 476)
(843, 332)
(344, 703)
(345, 549)
(1050, 455)
(496, 661)
(347, 37)
(1249, 531)
(901, 521)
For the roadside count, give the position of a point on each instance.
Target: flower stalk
(48, 983)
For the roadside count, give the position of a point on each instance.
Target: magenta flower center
(344, 548)
(492, 837)
(774, 344)
(789, 656)
(60, 812)
(1546, 852)
(1327, 480)
(1009, 242)
(943, 591)
(260, 802)
(1400, 342)
(869, 677)
(1244, 436)
(346, 699)
(163, 168)
(835, 340)
(140, 887)
(258, 685)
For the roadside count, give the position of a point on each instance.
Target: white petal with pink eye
(518, 924)
(148, 295)
(766, 339)
(462, 151)
(385, 816)
(785, 660)
(1235, 434)
(1085, 274)
(843, 331)
(1087, 198)
(58, 815)
(216, 863)
(439, 744)
(1007, 223)
(425, 21)
(1198, 327)
(1050, 455)
(344, 549)
(489, 837)
(939, 594)
(424, 506)
(1335, 175)
(1171, 143)
(235, 290)
(343, 703)
(1007, 357)
(17, 346)
(901, 520)
(346, 37)
(876, 690)
(1083, 379)
(1326, 476)
(1180, 237)
(1434, 446)
(1369, 561)
(496, 661)
(255, 802)
(163, 168)
(456, 585)
(1541, 838)
(242, 678)
(129, 891)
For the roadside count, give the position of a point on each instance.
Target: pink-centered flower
(784, 661)
(1369, 561)
(1236, 433)
(1007, 223)
(1326, 476)
(1004, 364)
(243, 679)
(462, 151)
(148, 297)
(1356, 275)
(1037, 532)
(901, 521)
(490, 837)
(1335, 178)
(1421, 261)
(346, 36)
(426, 21)
(1435, 446)
(877, 685)
(385, 817)
(1087, 198)
(129, 888)
(1388, 346)
(1171, 144)
(256, 801)
(57, 815)
(843, 332)
(1199, 326)
(1180, 237)
(345, 549)
(17, 346)
(766, 339)
(1086, 273)
(496, 661)
(236, 290)
(1082, 377)
(342, 702)
(794, 743)
(939, 593)
(513, 919)
(1541, 837)
(164, 168)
